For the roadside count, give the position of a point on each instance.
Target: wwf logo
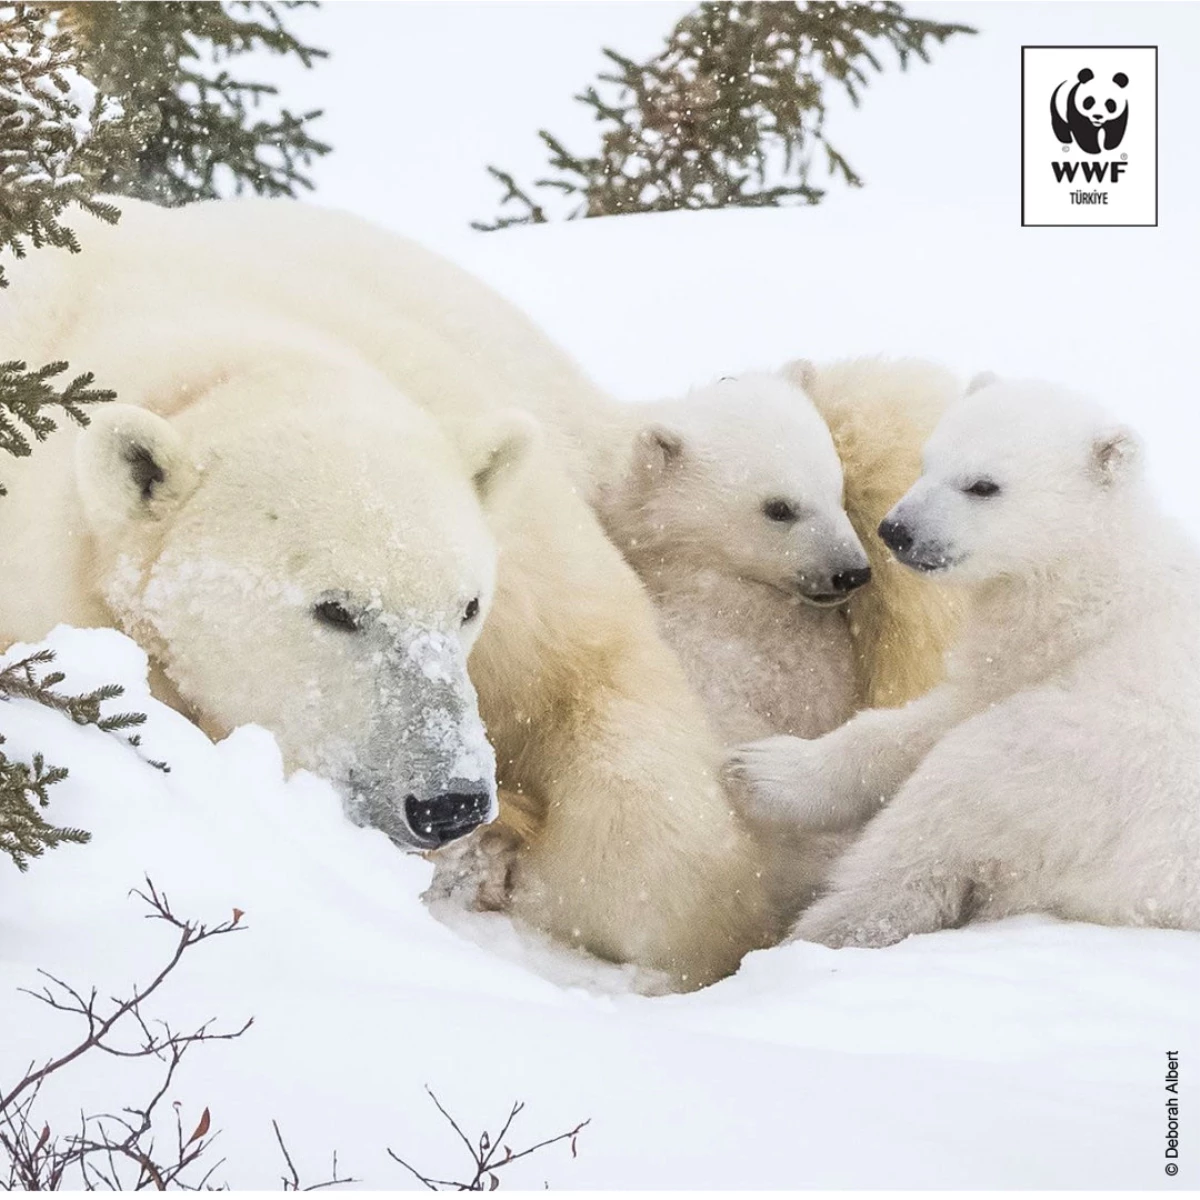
(1093, 113)
(1090, 164)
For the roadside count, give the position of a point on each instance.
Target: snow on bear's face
(324, 578)
(742, 478)
(1018, 477)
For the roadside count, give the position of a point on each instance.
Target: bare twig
(292, 1182)
(99, 1027)
(39, 1160)
(489, 1155)
(124, 1150)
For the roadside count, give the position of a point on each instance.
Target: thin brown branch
(98, 1028)
(485, 1166)
(38, 1160)
(292, 1182)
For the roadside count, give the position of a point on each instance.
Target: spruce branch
(25, 679)
(728, 113)
(207, 130)
(24, 831)
(533, 213)
(24, 787)
(25, 397)
(57, 133)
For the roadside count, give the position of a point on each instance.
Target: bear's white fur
(881, 412)
(680, 485)
(730, 509)
(1058, 767)
(315, 500)
(731, 514)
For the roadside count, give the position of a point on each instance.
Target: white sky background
(927, 259)
(419, 97)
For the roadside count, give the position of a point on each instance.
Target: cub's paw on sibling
(790, 781)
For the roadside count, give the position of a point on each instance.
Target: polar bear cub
(729, 509)
(742, 507)
(1057, 768)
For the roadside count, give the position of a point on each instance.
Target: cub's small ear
(1116, 455)
(1121, 79)
(657, 448)
(131, 465)
(1086, 75)
(982, 380)
(496, 448)
(800, 371)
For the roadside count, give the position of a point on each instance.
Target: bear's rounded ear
(1086, 75)
(131, 465)
(800, 371)
(982, 380)
(1121, 79)
(496, 448)
(1116, 455)
(656, 448)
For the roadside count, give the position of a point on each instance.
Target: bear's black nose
(851, 580)
(446, 817)
(896, 536)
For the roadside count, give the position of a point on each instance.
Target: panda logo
(1094, 114)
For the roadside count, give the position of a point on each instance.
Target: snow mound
(1024, 1053)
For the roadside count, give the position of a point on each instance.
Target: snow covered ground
(1027, 1053)
(1022, 1054)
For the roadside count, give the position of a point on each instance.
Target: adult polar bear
(296, 510)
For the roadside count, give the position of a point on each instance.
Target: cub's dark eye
(780, 510)
(471, 611)
(336, 615)
(982, 488)
(1111, 105)
(1089, 101)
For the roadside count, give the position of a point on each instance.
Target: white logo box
(1108, 176)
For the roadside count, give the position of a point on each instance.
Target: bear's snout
(896, 536)
(851, 579)
(447, 817)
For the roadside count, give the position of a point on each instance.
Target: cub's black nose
(446, 817)
(851, 580)
(896, 536)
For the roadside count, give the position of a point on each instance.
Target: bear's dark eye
(336, 615)
(1111, 105)
(780, 510)
(1088, 102)
(982, 487)
(471, 611)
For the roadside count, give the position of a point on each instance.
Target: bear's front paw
(840, 931)
(788, 782)
(886, 912)
(477, 871)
